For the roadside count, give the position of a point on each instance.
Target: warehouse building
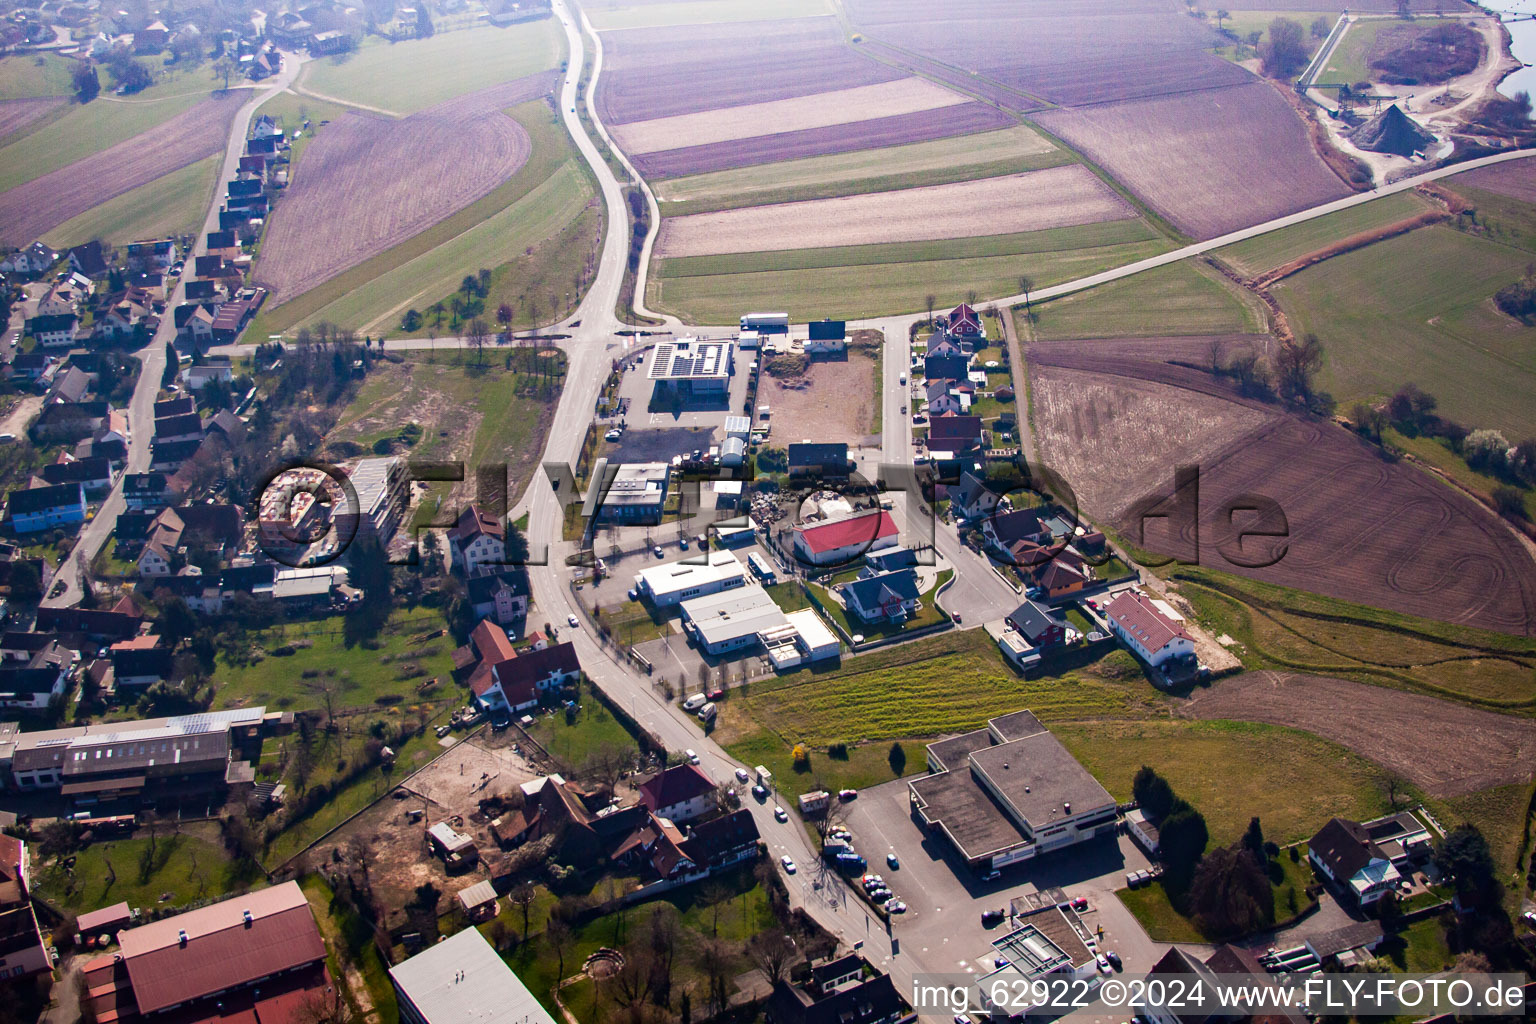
(693, 367)
(675, 582)
(463, 979)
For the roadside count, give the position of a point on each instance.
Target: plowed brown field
(368, 183)
(30, 210)
(17, 114)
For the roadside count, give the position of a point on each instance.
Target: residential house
(152, 256)
(945, 366)
(1148, 630)
(146, 491)
(963, 322)
(205, 292)
(183, 427)
(89, 259)
(222, 240)
(1185, 968)
(844, 990)
(23, 953)
(37, 683)
(944, 395)
(227, 425)
(65, 296)
(827, 337)
(840, 541)
(819, 459)
(94, 474)
(119, 622)
(159, 555)
(1007, 529)
(972, 497)
(680, 793)
(211, 265)
(460, 979)
(266, 127)
(44, 508)
(951, 436)
(53, 331)
(886, 597)
(31, 366)
(168, 456)
(32, 261)
(210, 368)
(501, 597)
(1062, 573)
(175, 407)
(518, 682)
(1344, 853)
(140, 662)
(69, 422)
(1037, 625)
(70, 386)
(477, 541)
(194, 323)
(255, 957)
(152, 37)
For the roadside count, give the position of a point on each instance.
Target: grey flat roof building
(461, 980)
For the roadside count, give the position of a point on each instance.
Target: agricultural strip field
(776, 117)
(1260, 255)
(939, 123)
(1232, 771)
(17, 114)
(1033, 201)
(1007, 151)
(30, 210)
(443, 252)
(1360, 528)
(1418, 307)
(615, 14)
(368, 183)
(1355, 6)
(173, 204)
(867, 281)
(1210, 161)
(665, 71)
(1508, 179)
(1184, 298)
(1467, 750)
(445, 66)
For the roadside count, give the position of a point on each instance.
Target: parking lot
(945, 899)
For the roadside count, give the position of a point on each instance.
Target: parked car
(571, 618)
(694, 703)
(657, 551)
(716, 693)
(1080, 904)
(693, 758)
(1103, 962)
(780, 814)
(633, 594)
(895, 907)
(741, 775)
(788, 862)
(847, 794)
(683, 543)
(991, 917)
(759, 792)
(1113, 958)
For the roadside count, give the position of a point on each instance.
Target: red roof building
(963, 322)
(839, 541)
(1149, 632)
(516, 681)
(679, 793)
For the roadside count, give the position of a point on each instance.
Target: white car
(895, 907)
(741, 775)
(788, 862)
(1103, 962)
(571, 619)
(780, 814)
(692, 757)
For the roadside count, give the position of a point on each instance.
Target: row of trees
(1290, 375)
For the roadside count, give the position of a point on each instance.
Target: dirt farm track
(30, 210)
(368, 183)
(1358, 526)
(1467, 750)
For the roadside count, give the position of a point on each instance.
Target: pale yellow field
(819, 110)
(1053, 198)
(607, 15)
(913, 158)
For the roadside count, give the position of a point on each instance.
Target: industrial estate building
(692, 366)
(462, 979)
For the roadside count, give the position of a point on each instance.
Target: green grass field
(616, 14)
(446, 65)
(594, 729)
(1436, 452)
(989, 154)
(866, 281)
(1232, 771)
(82, 131)
(544, 206)
(348, 937)
(1266, 252)
(190, 866)
(1245, 22)
(171, 205)
(292, 110)
(32, 75)
(1419, 308)
(1347, 63)
(363, 674)
(1181, 298)
(1501, 218)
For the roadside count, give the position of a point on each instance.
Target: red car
(716, 694)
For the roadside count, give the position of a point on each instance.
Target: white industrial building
(636, 494)
(731, 621)
(675, 582)
(693, 366)
(462, 979)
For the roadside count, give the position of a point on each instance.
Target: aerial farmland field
(30, 210)
(173, 204)
(1208, 161)
(17, 114)
(607, 15)
(1268, 251)
(1033, 201)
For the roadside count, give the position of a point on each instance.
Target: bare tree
(327, 1007)
(928, 301)
(327, 689)
(477, 334)
(558, 934)
(522, 897)
(772, 950)
(1026, 285)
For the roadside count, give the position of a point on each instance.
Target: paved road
(141, 408)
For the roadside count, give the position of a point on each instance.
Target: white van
(695, 702)
(707, 712)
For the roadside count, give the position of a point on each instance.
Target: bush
(1510, 501)
(802, 758)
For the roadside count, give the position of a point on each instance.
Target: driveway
(20, 418)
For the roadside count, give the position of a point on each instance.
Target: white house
(972, 497)
(1344, 853)
(884, 597)
(34, 259)
(680, 793)
(1151, 634)
(827, 337)
(477, 540)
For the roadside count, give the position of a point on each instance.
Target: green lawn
(32, 75)
(297, 680)
(1181, 298)
(1501, 218)
(544, 206)
(789, 596)
(1153, 907)
(190, 866)
(1347, 63)
(592, 730)
(988, 154)
(348, 938)
(175, 204)
(1436, 452)
(928, 615)
(84, 130)
(633, 623)
(292, 110)
(1419, 308)
(616, 14)
(1244, 22)
(1266, 252)
(1232, 771)
(446, 65)
(1420, 948)
(891, 279)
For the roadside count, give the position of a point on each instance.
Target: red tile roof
(491, 643)
(1137, 615)
(841, 533)
(472, 523)
(674, 786)
(222, 950)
